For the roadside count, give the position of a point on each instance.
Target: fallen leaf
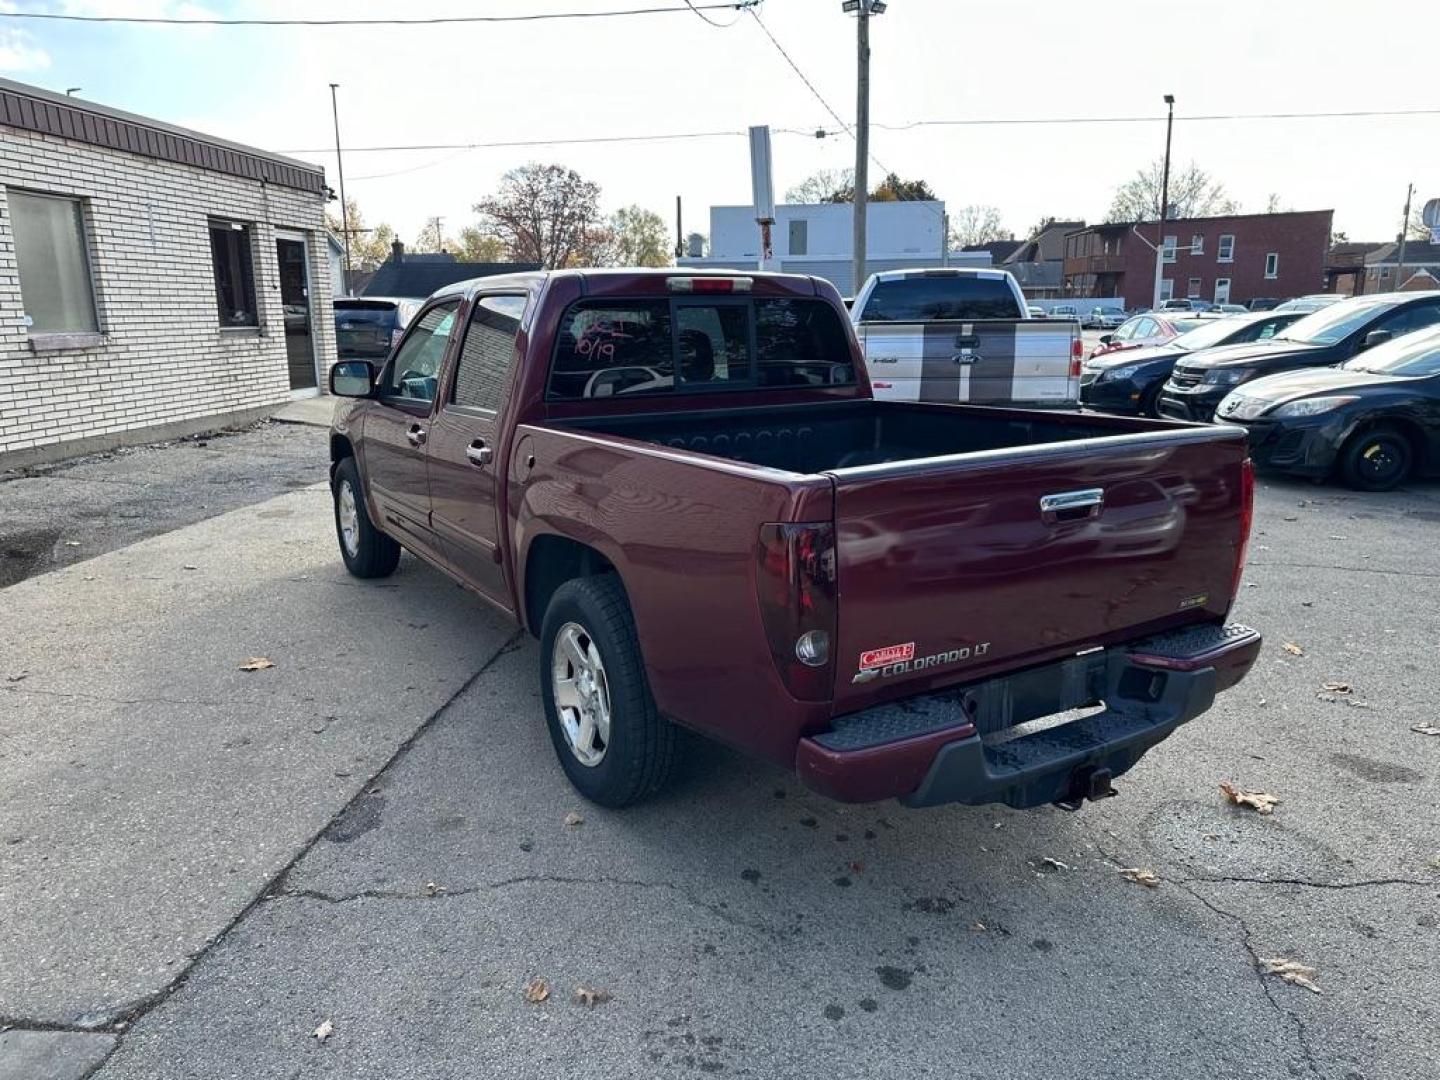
(1259, 801)
(1056, 863)
(1356, 704)
(1337, 688)
(17, 678)
(1334, 537)
(257, 663)
(72, 543)
(431, 889)
(1292, 971)
(978, 927)
(573, 818)
(584, 995)
(323, 1031)
(1293, 649)
(189, 566)
(536, 991)
(1425, 729)
(1148, 878)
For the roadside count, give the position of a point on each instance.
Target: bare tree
(1274, 205)
(976, 224)
(546, 214)
(825, 186)
(1193, 193)
(637, 237)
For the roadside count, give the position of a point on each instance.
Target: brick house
(1232, 259)
(154, 281)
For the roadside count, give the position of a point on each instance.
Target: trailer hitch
(1087, 783)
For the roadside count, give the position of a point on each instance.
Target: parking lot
(202, 866)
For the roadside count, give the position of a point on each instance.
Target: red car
(683, 486)
(1152, 328)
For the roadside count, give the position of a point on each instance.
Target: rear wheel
(1376, 460)
(613, 744)
(368, 553)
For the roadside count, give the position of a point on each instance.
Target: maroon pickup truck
(680, 483)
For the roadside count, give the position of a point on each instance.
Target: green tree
(475, 245)
(546, 214)
(893, 189)
(369, 247)
(637, 237)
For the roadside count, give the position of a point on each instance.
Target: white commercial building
(154, 281)
(817, 238)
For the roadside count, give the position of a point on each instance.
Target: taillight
(1247, 517)
(795, 583)
(1077, 353)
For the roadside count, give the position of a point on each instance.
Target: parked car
(1104, 318)
(1323, 338)
(1035, 312)
(1375, 419)
(1191, 304)
(679, 549)
(1130, 381)
(1264, 303)
(964, 335)
(1229, 309)
(1065, 311)
(367, 326)
(1313, 302)
(1144, 330)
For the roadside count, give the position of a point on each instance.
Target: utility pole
(862, 135)
(1164, 201)
(679, 231)
(340, 169)
(1404, 231)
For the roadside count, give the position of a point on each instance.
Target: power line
(1023, 120)
(527, 142)
(796, 68)
(437, 20)
(739, 14)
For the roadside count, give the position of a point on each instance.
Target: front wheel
(613, 744)
(1376, 460)
(368, 553)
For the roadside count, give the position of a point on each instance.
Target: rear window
(926, 299)
(367, 315)
(614, 348)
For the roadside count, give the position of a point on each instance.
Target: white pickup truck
(963, 336)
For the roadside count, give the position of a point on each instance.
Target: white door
(1222, 290)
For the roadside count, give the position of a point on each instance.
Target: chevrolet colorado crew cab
(681, 483)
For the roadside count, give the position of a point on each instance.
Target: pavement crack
(1366, 884)
(107, 700)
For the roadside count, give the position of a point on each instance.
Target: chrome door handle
(479, 454)
(1072, 505)
(416, 435)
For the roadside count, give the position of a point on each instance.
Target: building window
(1225, 249)
(1169, 246)
(1384, 272)
(1197, 244)
(1222, 290)
(234, 273)
(1272, 264)
(54, 263)
(1167, 289)
(799, 237)
(1193, 292)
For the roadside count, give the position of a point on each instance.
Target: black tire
(1150, 401)
(1376, 460)
(642, 751)
(373, 554)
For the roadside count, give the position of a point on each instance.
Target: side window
(607, 348)
(800, 343)
(488, 352)
(1145, 328)
(713, 343)
(412, 375)
(1263, 330)
(234, 273)
(1414, 317)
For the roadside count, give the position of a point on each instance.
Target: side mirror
(1376, 337)
(352, 378)
(1106, 339)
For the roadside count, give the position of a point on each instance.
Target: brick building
(153, 280)
(1231, 259)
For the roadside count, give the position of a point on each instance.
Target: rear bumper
(962, 744)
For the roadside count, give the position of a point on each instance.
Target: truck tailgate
(955, 568)
(987, 362)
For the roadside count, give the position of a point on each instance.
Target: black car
(1129, 381)
(1375, 419)
(1323, 338)
(366, 326)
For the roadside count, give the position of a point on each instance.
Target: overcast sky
(662, 74)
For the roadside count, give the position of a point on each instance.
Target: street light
(1164, 201)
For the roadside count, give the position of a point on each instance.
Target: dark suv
(366, 326)
(1324, 338)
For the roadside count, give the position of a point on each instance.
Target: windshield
(941, 296)
(1207, 334)
(1336, 322)
(1413, 354)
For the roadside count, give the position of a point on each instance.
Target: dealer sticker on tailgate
(890, 654)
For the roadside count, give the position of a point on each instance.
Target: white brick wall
(164, 359)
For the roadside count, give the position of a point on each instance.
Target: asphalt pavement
(206, 866)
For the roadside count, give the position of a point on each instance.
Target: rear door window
(928, 299)
(615, 348)
(488, 352)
